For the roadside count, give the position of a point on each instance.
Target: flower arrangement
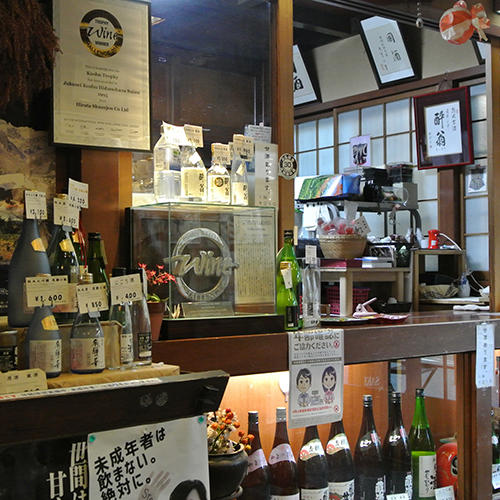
(220, 425)
(157, 279)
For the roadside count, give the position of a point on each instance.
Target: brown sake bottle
(312, 467)
(256, 483)
(282, 466)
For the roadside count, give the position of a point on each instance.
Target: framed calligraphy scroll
(443, 127)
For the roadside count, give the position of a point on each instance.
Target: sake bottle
(193, 175)
(219, 183)
(423, 452)
(282, 465)
(256, 483)
(239, 180)
(370, 471)
(340, 463)
(43, 342)
(312, 467)
(167, 166)
(286, 301)
(141, 327)
(29, 259)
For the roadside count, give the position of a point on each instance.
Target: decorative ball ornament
(457, 24)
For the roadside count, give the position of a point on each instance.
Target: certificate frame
(460, 150)
(381, 36)
(101, 94)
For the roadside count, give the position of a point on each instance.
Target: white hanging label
(485, 355)
(398, 496)
(495, 476)
(125, 288)
(194, 135)
(243, 146)
(92, 298)
(78, 193)
(47, 291)
(287, 277)
(445, 493)
(35, 203)
(311, 254)
(221, 153)
(361, 226)
(66, 213)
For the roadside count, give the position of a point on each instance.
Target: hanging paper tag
(125, 288)
(361, 226)
(78, 193)
(92, 298)
(66, 213)
(194, 135)
(243, 146)
(287, 277)
(398, 496)
(35, 203)
(485, 355)
(47, 291)
(311, 254)
(221, 154)
(445, 493)
(17, 381)
(259, 132)
(350, 210)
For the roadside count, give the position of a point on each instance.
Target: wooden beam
(449, 202)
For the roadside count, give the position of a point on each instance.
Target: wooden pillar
(283, 103)
(109, 176)
(449, 202)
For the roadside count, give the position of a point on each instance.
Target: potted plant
(157, 296)
(227, 458)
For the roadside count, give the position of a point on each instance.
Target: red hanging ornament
(457, 24)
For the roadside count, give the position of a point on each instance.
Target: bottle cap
(419, 393)
(118, 271)
(94, 236)
(253, 417)
(367, 399)
(61, 196)
(85, 278)
(281, 414)
(288, 233)
(396, 397)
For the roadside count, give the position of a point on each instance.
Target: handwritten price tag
(311, 254)
(244, 146)
(78, 193)
(66, 213)
(194, 135)
(485, 355)
(125, 288)
(92, 298)
(221, 153)
(47, 290)
(398, 496)
(35, 203)
(445, 493)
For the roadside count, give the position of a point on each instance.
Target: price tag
(78, 193)
(311, 254)
(287, 277)
(17, 381)
(35, 203)
(92, 298)
(221, 154)
(243, 146)
(445, 493)
(194, 135)
(485, 355)
(66, 213)
(361, 225)
(495, 476)
(47, 291)
(125, 288)
(259, 132)
(398, 496)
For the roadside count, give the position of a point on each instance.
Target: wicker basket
(342, 246)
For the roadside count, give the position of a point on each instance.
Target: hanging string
(419, 23)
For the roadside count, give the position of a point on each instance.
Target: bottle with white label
(87, 339)
(368, 462)
(219, 183)
(340, 464)
(167, 166)
(193, 175)
(239, 180)
(311, 299)
(141, 327)
(282, 465)
(43, 343)
(423, 452)
(256, 483)
(312, 468)
(121, 314)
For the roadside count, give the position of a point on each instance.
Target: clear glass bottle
(141, 327)
(167, 167)
(43, 343)
(219, 183)
(311, 278)
(29, 259)
(87, 340)
(193, 175)
(239, 181)
(121, 314)
(286, 301)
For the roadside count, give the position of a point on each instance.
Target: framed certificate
(443, 129)
(386, 51)
(101, 94)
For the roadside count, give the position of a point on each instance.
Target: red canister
(447, 467)
(433, 239)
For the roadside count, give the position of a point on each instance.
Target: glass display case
(222, 257)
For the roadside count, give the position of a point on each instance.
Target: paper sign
(66, 213)
(361, 225)
(47, 290)
(22, 381)
(485, 355)
(360, 151)
(443, 129)
(259, 132)
(35, 203)
(78, 193)
(266, 174)
(350, 210)
(398, 496)
(311, 254)
(150, 461)
(221, 154)
(243, 146)
(125, 288)
(194, 135)
(92, 298)
(316, 366)
(495, 476)
(303, 90)
(445, 493)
